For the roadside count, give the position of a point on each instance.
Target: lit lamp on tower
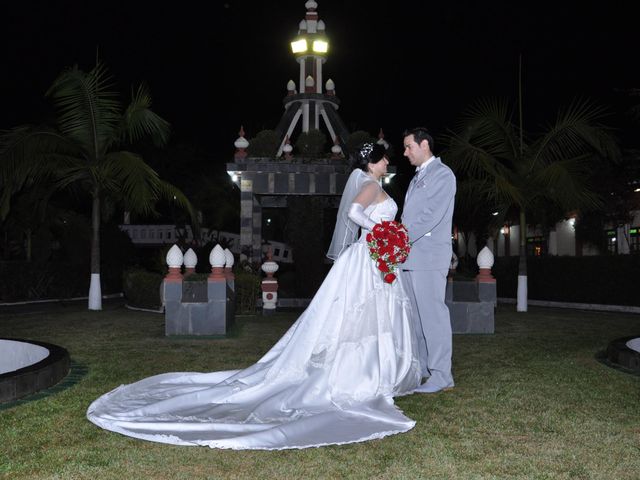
(311, 104)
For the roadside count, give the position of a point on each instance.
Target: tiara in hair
(366, 150)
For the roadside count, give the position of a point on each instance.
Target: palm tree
(530, 173)
(86, 150)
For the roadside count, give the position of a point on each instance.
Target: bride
(330, 379)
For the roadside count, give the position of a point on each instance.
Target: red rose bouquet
(389, 246)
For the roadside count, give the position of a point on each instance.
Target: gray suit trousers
(432, 323)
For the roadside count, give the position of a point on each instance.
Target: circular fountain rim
(23, 356)
(621, 356)
(38, 376)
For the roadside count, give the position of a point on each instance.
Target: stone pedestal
(469, 312)
(213, 316)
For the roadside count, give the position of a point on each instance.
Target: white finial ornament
(291, 87)
(302, 26)
(485, 258)
(336, 149)
(217, 257)
(174, 257)
(321, 26)
(311, 5)
(382, 141)
(190, 259)
(330, 86)
(287, 149)
(241, 145)
(228, 258)
(269, 267)
(241, 142)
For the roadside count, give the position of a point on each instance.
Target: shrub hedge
(142, 288)
(247, 291)
(606, 279)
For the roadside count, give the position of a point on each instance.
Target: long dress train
(330, 379)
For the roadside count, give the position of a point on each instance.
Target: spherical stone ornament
(287, 148)
(174, 257)
(190, 259)
(311, 5)
(217, 258)
(485, 258)
(269, 267)
(336, 149)
(229, 260)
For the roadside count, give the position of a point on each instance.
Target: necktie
(412, 184)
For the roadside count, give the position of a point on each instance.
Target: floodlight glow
(637, 190)
(320, 46)
(299, 46)
(495, 213)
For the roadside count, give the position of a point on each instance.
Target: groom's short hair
(420, 134)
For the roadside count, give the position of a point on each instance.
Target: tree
(87, 150)
(549, 171)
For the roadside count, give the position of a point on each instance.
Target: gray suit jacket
(428, 214)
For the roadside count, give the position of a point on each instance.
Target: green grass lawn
(531, 401)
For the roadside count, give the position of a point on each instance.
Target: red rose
(369, 237)
(382, 266)
(389, 277)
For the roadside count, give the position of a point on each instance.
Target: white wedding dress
(330, 379)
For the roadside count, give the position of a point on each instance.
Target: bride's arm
(365, 197)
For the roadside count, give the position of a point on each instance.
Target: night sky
(215, 65)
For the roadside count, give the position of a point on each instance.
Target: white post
(95, 293)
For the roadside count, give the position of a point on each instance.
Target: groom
(427, 214)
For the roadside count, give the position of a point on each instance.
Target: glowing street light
(319, 45)
(299, 46)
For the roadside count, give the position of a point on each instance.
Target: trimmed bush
(21, 280)
(607, 280)
(142, 288)
(311, 144)
(265, 144)
(247, 291)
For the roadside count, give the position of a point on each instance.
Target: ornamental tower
(308, 104)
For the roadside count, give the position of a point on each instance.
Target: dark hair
(367, 153)
(420, 134)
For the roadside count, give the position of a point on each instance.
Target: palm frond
(138, 184)
(89, 110)
(566, 183)
(139, 121)
(576, 132)
(487, 122)
(29, 155)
